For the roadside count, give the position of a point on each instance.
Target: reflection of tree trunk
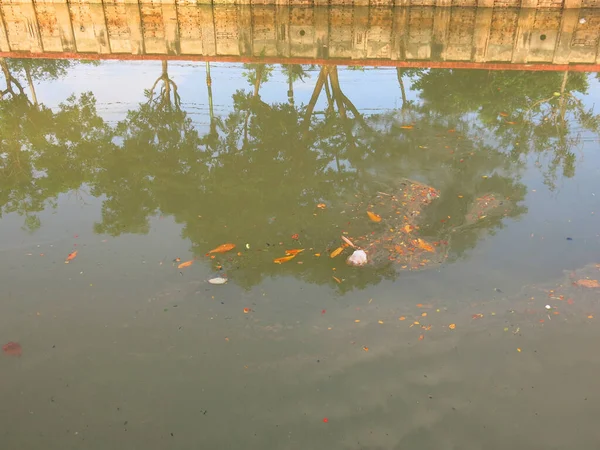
(290, 92)
(329, 97)
(563, 102)
(259, 73)
(338, 96)
(315, 96)
(31, 86)
(210, 98)
(401, 83)
(165, 76)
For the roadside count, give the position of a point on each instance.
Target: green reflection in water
(256, 176)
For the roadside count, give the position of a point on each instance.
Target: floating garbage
(358, 258)
(218, 280)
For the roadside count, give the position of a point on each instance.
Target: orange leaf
(348, 241)
(337, 280)
(336, 252)
(294, 251)
(222, 248)
(185, 264)
(452, 326)
(584, 283)
(503, 114)
(284, 259)
(407, 228)
(321, 206)
(425, 246)
(374, 217)
(71, 256)
(511, 123)
(407, 127)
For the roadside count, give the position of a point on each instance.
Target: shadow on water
(257, 174)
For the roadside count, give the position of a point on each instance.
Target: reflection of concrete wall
(371, 35)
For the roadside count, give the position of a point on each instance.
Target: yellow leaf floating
(336, 252)
(374, 217)
(425, 246)
(222, 248)
(185, 264)
(71, 257)
(284, 259)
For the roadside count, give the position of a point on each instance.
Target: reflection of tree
(257, 74)
(33, 70)
(46, 153)
(526, 112)
(258, 179)
(293, 73)
(257, 175)
(162, 98)
(158, 147)
(406, 73)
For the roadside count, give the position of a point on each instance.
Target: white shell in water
(218, 280)
(358, 258)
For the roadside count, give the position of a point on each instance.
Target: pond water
(474, 194)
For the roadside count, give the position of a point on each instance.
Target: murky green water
(464, 331)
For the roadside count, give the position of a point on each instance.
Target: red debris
(12, 349)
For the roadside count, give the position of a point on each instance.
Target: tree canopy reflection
(256, 176)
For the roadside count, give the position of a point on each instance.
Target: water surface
(142, 166)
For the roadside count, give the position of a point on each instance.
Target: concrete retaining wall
(291, 34)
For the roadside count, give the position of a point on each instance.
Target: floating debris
(358, 258)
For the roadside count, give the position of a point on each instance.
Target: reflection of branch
(164, 97)
(335, 84)
(10, 80)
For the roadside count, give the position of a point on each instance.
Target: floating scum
(394, 234)
(386, 231)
